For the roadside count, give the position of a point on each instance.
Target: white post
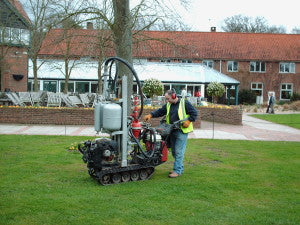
(202, 86)
(124, 141)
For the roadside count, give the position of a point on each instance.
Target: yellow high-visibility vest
(181, 114)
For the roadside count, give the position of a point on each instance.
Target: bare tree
(41, 14)
(67, 37)
(158, 15)
(246, 24)
(118, 18)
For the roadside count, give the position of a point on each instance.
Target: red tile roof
(79, 42)
(189, 45)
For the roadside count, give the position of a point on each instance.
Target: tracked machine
(133, 149)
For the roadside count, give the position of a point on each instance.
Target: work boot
(174, 175)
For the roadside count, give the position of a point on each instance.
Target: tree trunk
(1, 78)
(67, 76)
(36, 85)
(123, 40)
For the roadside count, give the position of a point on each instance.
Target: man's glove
(147, 117)
(186, 123)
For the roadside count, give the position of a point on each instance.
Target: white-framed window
(94, 87)
(208, 63)
(232, 66)
(30, 85)
(50, 85)
(286, 91)
(25, 36)
(14, 35)
(257, 88)
(186, 61)
(165, 60)
(6, 34)
(286, 67)
(257, 66)
(70, 86)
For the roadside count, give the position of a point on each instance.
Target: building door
(50, 86)
(178, 88)
(82, 87)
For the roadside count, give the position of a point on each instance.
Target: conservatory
(84, 77)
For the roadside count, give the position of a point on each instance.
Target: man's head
(168, 97)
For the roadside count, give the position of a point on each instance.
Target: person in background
(198, 95)
(271, 103)
(183, 92)
(176, 109)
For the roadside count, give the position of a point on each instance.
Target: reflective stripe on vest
(181, 114)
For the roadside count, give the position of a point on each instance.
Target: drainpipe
(220, 66)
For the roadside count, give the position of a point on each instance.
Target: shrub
(215, 90)
(286, 107)
(295, 97)
(281, 102)
(295, 106)
(153, 87)
(247, 97)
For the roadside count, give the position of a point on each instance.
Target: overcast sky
(204, 14)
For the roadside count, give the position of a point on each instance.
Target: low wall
(222, 115)
(40, 115)
(83, 116)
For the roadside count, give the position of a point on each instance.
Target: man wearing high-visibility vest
(176, 109)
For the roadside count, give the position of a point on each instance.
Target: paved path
(252, 129)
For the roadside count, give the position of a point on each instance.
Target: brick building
(14, 42)
(261, 62)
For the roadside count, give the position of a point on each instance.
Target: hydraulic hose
(134, 74)
(139, 144)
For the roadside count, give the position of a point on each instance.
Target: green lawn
(292, 120)
(225, 182)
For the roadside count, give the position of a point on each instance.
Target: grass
(225, 182)
(291, 120)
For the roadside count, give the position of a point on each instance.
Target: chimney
(89, 26)
(213, 29)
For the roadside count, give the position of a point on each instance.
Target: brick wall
(16, 62)
(81, 116)
(59, 116)
(228, 116)
(271, 79)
